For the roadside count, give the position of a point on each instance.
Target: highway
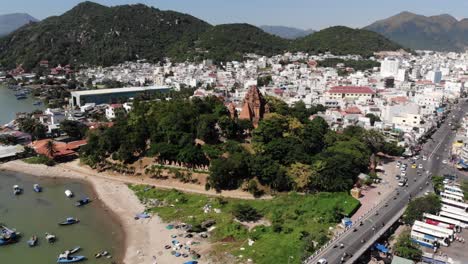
(360, 237)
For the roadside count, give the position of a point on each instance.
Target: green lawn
(297, 221)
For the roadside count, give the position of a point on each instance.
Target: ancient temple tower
(254, 106)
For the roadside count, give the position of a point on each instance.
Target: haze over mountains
(94, 34)
(11, 22)
(440, 33)
(287, 32)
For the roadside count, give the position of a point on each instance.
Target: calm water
(37, 213)
(9, 106)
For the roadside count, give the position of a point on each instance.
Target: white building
(389, 67)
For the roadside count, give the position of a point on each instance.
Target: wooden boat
(82, 202)
(50, 238)
(17, 190)
(69, 221)
(37, 188)
(32, 242)
(68, 193)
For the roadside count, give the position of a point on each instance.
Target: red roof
(351, 89)
(353, 110)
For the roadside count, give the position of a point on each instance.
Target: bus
(444, 221)
(455, 194)
(448, 232)
(452, 203)
(453, 188)
(461, 218)
(442, 238)
(425, 240)
(451, 196)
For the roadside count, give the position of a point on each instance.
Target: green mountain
(441, 33)
(232, 41)
(11, 22)
(93, 34)
(100, 35)
(342, 40)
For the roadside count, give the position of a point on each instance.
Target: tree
(33, 127)
(246, 213)
(228, 173)
(50, 148)
(416, 208)
(438, 183)
(73, 128)
(373, 118)
(300, 174)
(270, 128)
(406, 248)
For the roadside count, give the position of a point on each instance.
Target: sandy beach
(145, 238)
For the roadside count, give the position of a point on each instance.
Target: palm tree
(50, 148)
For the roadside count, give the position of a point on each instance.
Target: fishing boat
(32, 242)
(69, 221)
(17, 190)
(8, 236)
(37, 188)
(82, 202)
(50, 238)
(68, 193)
(21, 97)
(37, 103)
(67, 258)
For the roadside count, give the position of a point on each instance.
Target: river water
(9, 106)
(34, 213)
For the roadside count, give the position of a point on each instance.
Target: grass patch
(299, 223)
(40, 159)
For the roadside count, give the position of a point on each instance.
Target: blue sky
(315, 14)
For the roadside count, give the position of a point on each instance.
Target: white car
(420, 166)
(424, 158)
(403, 173)
(444, 162)
(398, 165)
(322, 261)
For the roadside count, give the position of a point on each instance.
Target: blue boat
(8, 236)
(37, 188)
(83, 201)
(65, 258)
(70, 221)
(37, 103)
(20, 97)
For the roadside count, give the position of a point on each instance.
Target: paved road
(356, 242)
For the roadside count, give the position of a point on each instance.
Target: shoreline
(144, 239)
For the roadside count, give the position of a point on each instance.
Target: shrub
(246, 213)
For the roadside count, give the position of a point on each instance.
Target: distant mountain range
(440, 33)
(287, 32)
(11, 22)
(94, 34)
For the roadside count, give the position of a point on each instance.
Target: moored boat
(37, 103)
(68, 193)
(70, 221)
(37, 188)
(50, 238)
(32, 241)
(17, 190)
(66, 258)
(8, 236)
(82, 202)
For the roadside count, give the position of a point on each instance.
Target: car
(424, 158)
(397, 177)
(322, 261)
(426, 193)
(398, 165)
(420, 166)
(444, 162)
(403, 173)
(413, 166)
